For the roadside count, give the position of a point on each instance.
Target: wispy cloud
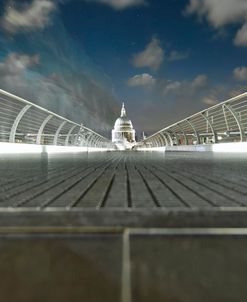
(177, 55)
(220, 13)
(152, 56)
(184, 87)
(59, 78)
(14, 64)
(144, 79)
(27, 17)
(209, 100)
(240, 73)
(121, 4)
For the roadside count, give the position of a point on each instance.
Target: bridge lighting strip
(238, 147)
(230, 148)
(161, 149)
(13, 148)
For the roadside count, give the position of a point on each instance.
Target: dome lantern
(123, 111)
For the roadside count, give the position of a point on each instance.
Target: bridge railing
(24, 122)
(222, 123)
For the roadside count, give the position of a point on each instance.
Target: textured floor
(137, 227)
(124, 180)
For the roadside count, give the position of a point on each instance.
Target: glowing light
(237, 147)
(12, 148)
(160, 149)
(230, 147)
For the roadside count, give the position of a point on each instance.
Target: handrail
(22, 121)
(223, 122)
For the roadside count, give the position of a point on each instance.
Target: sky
(166, 59)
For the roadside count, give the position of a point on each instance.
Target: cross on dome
(123, 111)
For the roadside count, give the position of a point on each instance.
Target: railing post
(164, 137)
(212, 128)
(69, 133)
(175, 135)
(41, 129)
(153, 142)
(16, 123)
(240, 126)
(57, 132)
(159, 140)
(195, 132)
(184, 135)
(96, 140)
(224, 113)
(170, 138)
(88, 139)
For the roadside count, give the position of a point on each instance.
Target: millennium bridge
(82, 221)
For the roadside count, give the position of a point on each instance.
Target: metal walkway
(137, 226)
(124, 180)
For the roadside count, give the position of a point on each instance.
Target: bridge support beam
(170, 138)
(165, 139)
(237, 119)
(41, 129)
(16, 123)
(195, 132)
(184, 134)
(69, 134)
(211, 126)
(57, 132)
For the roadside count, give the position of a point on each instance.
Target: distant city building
(123, 134)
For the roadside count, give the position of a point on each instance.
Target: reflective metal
(221, 123)
(24, 122)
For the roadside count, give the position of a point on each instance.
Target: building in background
(123, 134)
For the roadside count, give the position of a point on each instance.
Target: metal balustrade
(222, 123)
(24, 122)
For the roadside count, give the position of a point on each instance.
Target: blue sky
(164, 59)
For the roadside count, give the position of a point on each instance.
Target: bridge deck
(150, 239)
(123, 180)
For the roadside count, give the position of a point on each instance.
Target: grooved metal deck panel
(124, 180)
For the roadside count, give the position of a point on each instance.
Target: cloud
(144, 79)
(240, 73)
(169, 87)
(220, 13)
(184, 87)
(68, 87)
(241, 36)
(199, 81)
(152, 56)
(209, 100)
(172, 86)
(120, 4)
(67, 82)
(177, 56)
(28, 17)
(14, 64)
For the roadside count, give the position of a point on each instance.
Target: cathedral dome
(123, 133)
(123, 123)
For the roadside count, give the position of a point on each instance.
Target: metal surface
(24, 122)
(124, 180)
(222, 123)
(139, 265)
